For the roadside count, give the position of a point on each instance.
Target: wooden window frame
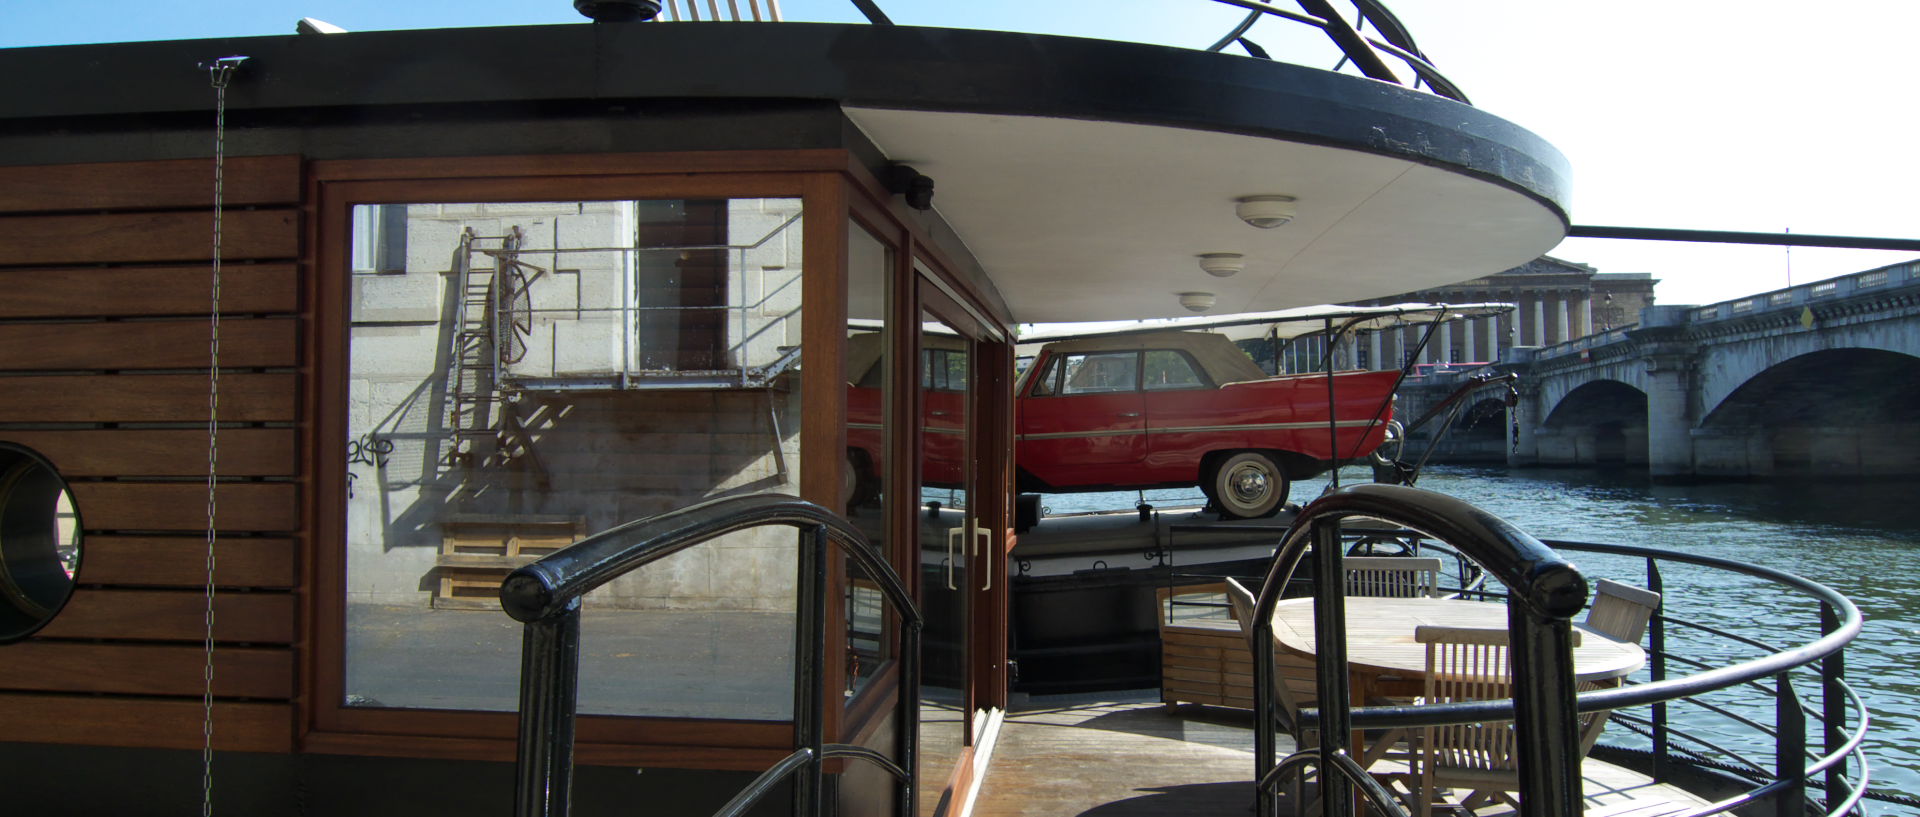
(817, 177)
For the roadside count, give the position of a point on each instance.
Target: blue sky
(1759, 115)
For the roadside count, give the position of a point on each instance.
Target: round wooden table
(1380, 639)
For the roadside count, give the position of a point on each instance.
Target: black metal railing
(1799, 780)
(1366, 53)
(1546, 592)
(545, 595)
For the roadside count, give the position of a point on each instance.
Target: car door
(1081, 416)
(1187, 415)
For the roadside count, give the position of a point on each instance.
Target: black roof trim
(859, 65)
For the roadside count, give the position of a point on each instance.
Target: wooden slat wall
(103, 351)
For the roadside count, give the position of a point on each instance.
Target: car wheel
(850, 477)
(1249, 484)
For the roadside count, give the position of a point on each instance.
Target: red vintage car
(1172, 409)
(1153, 410)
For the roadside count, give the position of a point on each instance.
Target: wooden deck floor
(1138, 759)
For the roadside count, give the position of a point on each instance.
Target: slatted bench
(1203, 657)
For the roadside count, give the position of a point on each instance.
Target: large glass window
(871, 628)
(536, 372)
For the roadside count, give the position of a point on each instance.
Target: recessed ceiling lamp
(1196, 301)
(1265, 212)
(1222, 264)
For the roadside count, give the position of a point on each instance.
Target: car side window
(943, 369)
(1102, 372)
(1046, 382)
(1169, 369)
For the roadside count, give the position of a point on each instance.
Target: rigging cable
(219, 73)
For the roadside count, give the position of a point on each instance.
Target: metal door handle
(1129, 414)
(953, 534)
(980, 533)
(938, 413)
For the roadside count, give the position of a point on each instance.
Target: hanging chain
(219, 72)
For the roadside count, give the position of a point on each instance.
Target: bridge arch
(1847, 411)
(1603, 422)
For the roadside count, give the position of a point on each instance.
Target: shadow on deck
(1134, 757)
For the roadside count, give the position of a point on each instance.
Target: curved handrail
(543, 588)
(1850, 625)
(1363, 51)
(1540, 578)
(1547, 591)
(1845, 626)
(1344, 764)
(546, 594)
(1536, 582)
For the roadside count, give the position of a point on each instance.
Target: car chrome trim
(1312, 424)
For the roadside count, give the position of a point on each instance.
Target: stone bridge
(1821, 379)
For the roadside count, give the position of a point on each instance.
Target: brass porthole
(39, 542)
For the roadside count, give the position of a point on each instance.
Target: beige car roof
(1223, 361)
(865, 345)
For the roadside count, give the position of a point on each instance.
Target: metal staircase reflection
(486, 335)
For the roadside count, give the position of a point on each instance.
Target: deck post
(1790, 750)
(1657, 658)
(809, 665)
(549, 697)
(1546, 727)
(1330, 660)
(1263, 729)
(1833, 707)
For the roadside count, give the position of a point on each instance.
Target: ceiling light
(1196, 301)
(1265, 212)
(1222, 264)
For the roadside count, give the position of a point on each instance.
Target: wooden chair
(1465, 664)
(1401, 577)
(1294, 681)
(1294, 686)
(1621, 612)
(1203, 652)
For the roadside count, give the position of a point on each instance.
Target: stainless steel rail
(1795, 767)
(1546, 592)
(545, 595)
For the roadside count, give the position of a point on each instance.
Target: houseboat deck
(1131, 756)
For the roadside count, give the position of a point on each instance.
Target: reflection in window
(1171, 369)
(536, 372)
(380, 238)
(943, 369)
(1105, 372)
(871, 628)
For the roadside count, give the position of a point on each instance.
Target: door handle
(953, 535)
(980, 533)
(938, 413)
(1129, 414)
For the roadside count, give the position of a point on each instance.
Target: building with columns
(1556, 301)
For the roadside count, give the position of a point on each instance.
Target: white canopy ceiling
(1082, 220)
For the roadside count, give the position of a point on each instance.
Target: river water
(1862, 540)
